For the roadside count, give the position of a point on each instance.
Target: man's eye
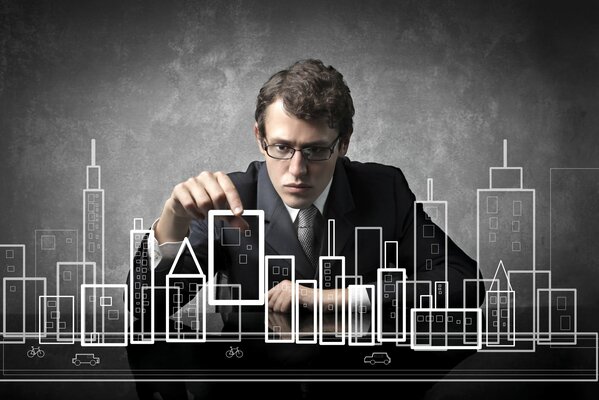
(317, 151)
(281, 148)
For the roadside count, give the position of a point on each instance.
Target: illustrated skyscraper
(93, 221)
(141, 274)
(506, 225)
(427, 238)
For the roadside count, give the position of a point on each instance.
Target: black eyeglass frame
(330, 148)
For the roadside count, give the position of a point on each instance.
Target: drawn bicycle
(234, 351)
(35, 351)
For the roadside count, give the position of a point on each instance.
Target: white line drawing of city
(71, 302)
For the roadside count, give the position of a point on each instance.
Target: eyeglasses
(312, 153)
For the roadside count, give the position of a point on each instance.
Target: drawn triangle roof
(500, 275)
(193, 255)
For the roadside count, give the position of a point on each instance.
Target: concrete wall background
(168, 89)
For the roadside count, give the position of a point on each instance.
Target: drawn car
(377, 358)
(85, 358)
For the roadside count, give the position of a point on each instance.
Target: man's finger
(231, 193)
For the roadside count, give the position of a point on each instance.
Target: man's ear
(258, 137)
(344, 145)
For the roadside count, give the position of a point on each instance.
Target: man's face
(298, 181)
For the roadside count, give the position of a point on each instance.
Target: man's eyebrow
(319, 143)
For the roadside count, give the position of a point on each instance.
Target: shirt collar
(319, 202)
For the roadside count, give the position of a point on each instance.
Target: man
(304, 124)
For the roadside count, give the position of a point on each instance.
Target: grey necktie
(307, 225)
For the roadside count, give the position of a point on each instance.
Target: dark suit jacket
(361, 195)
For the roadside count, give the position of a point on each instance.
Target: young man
(304, 123)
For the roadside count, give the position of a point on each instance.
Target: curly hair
(312, 92)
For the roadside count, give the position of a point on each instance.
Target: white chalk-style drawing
(506, 223)
(329, 269)
(187, 306)
(69, 278)
(306, 329)
(377, 357)
(12, 265)
(445, 328)
(108, 303)
(51, 247)
(500, 307)
(371, 236)
(361, 329)
(36, 352)
(232, 236)
(56, 319)
(427, 237)
(279, 327)
(141, 276)
(20, 308)
(85, 358)
(391, 301)
(93, 226)
(391, 250)
(557, 318)
(234, 352)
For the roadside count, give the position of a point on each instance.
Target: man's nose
(298, 165)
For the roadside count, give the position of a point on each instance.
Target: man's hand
(193, 199)
(279, 297)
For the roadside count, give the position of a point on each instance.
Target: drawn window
(515, 226)
(10, 254)
(435, 248)
(105, 301)
(493, 223)
(428, 231)
(66, 276)
(565, 323)
(562, 302)
(492, 237)
(285, 271)
(243, 259)
(230, 236)
(388, 278)
(516, 246)
(517, 205)
(429, 264)
(492, 205)
(48, 242)
(10, 268)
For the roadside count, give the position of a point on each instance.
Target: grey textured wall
(168, 90)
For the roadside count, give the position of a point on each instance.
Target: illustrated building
(331, 275)
(186, 306)
(93, 217)
(279, 327)
(12, 266)
(51, 247)
(500, 307)
(109, 322)
(427, 237)
(141, 282)
(506, 223)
